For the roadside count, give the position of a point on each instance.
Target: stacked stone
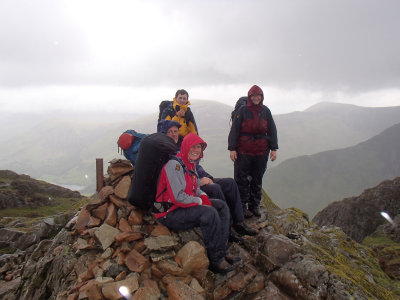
(134, 251)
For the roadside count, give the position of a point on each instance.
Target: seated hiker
(181, 205)
(170, 128)
(180, 112)
(219, 188)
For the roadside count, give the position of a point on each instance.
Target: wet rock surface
(290, 258)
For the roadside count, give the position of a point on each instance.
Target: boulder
(106, 235)
(160, 243)
(122, 188)
(136, 262)
(111, 290)
(192, 257)
(178, 290)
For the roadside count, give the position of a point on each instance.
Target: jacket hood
(184, 107)
(255, 90)
(189, 141)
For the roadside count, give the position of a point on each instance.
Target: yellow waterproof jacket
(188, 124)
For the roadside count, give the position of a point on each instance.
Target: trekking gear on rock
(154, 152)
(223, 267)
(255, 211)
(243, 229)
(232, 258)
(129, 142)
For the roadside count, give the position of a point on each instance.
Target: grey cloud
(315, 44)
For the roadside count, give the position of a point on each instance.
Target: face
(173, 133)
(195, 152)
(256, 99)
(182, 99)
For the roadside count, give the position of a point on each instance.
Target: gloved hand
(205, 200)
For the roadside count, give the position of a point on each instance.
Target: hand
(233, 155)
(180, 113)
(205, 180)
(272, 155)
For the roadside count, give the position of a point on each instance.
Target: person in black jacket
(252, 138)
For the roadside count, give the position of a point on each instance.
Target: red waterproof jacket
(178, 185)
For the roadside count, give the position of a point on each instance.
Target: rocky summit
(109, 244)
(360, 216)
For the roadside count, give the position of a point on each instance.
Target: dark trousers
(212, 220)
(226, 189)
(249, 171)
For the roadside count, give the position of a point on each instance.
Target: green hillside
(312, 182)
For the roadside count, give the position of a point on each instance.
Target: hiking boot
(223, 267)
(243, 229)
(247, 213)
(255, 211)
(235, 237)
(232, 259)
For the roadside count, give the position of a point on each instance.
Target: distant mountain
(314, 181)
(62, 148)
(327, 126)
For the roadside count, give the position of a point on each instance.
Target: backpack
(154, 152)
(163, 105)
(242, 102)
(129, 142)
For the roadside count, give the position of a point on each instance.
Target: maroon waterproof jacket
(253, 130)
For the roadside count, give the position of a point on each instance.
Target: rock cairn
(136, 252)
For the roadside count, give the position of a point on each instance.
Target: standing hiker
(252, 138)
(180, 112)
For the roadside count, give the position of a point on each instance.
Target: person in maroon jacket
(253, 137)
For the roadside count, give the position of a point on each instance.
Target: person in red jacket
(253, 137)
(181, 204)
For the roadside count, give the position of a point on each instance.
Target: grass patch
(380, 241)
(352, 262)
(60, 205)
(5, 250)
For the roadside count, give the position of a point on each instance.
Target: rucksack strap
(185, 169)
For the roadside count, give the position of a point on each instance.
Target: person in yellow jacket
(180, 112)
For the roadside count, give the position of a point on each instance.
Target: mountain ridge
(53, 150)
(311, 182)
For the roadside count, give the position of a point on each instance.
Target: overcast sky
(129, 55)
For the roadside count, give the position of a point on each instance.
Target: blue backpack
(129, 142)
